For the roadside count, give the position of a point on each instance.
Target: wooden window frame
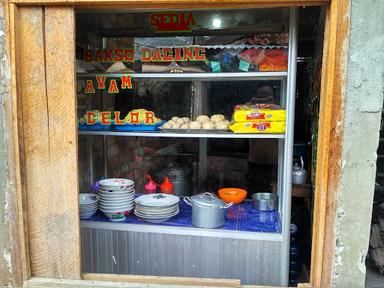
(329, 145)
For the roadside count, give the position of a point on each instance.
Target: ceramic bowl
(115, 216)
(234, 195)
(121, 191)
(83, 210)
(87, 215)
(116, 184)
(117, 194)
(89, 205)
(126, 206)
(88, 198)
(116, 198)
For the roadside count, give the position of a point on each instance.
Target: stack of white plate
(156, 208)
(88, 205)
(116, 198)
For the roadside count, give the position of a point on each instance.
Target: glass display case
(151, 86)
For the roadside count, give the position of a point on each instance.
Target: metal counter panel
(142, 253)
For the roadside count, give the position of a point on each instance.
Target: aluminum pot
(180, 180)
(208, 211)
(265, 201)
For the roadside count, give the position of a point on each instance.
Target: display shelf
(246, 222)
(196, 76)
(223, 135)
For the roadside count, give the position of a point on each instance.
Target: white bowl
(117, 203)
(88, 198)
(109, 195)
(87, 215)
(84, 210)
(89, 206)
(115, 216)
(124, 207)
(117, 197)
(116, 190)
(116, 183)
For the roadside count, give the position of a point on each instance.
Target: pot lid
(207, 199)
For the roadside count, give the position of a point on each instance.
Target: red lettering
(91, 118)
(134, 118)
(113, 87)
(167, 54)
(154, 18)
(129, 55)
(187, 53)
(177, 56)
(168, 22)
(105, 117)
(89, 87)
(200, 54)
(107, 56)
(156, 56)
(117, 118)
(145, 55)
(119, 56)
(98, 56)
(126, 82)
(88, 55)
(191, 20)
(100, 81)
(149, 117)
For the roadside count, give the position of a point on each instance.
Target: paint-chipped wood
(49, 131)
(18, 140)
(176, 4)
(11, 260)
(330, 142)
(206, 282)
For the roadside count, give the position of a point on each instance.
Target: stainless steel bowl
(265, 201)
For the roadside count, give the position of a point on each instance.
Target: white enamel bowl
(86, 215)
(116, 191)
(116, 184)
(88, 198)
(122, 206)
(117, 198)
(113, 194)
(116, 215)
(82, 210)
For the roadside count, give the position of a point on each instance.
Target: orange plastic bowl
(235, 195)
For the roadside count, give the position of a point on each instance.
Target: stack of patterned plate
(116, 197)
(88, 205)
(156, 208)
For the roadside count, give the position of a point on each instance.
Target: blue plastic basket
(95, 127)
(141, 127)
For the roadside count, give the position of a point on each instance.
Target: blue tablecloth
(242, 217)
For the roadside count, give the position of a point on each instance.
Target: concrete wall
(363, 106)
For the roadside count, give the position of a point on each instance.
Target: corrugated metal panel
(124, 252)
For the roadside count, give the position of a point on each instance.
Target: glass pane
(183, 41)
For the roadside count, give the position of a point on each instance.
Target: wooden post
(335, 52)
(47, 96)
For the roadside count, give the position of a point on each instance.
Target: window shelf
(228, 135)
(196, 76)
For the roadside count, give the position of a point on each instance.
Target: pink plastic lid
(150, 185)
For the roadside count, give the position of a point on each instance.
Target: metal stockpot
(180, 180)
(208, 211)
